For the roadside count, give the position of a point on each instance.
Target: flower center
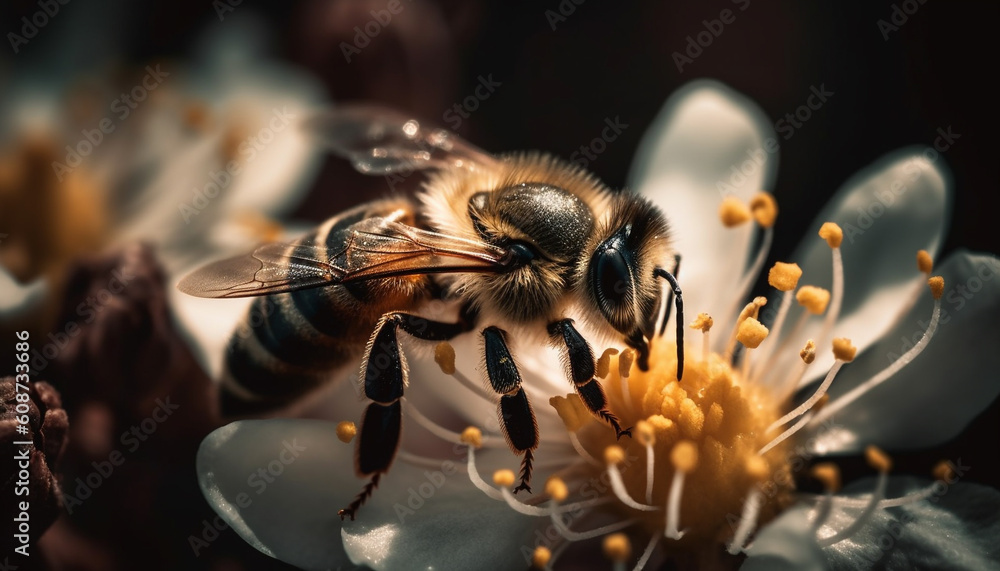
(707, 428)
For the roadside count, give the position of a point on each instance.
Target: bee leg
(385, 375)
(514, 410)
(580, 361)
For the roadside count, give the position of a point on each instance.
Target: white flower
(279, 483)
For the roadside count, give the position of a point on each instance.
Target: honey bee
(522, 243)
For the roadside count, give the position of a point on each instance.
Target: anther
(732, 212)
(604, 362)
(844, 350)
(504, 478)
(784, 277)
(751, 333)
(944, 470)
(472, 436)
(814, 299)
(617, 547)
(645, 434)
(346, 431)
(936, 284)
(556, 488)
(828, 474)
(571, 410)
(808, 353)
(832, 233)
(541, 557)
(757, 468)
(625, 361)
(877, 459)
(749, 310)
(444, 356)
(764, 208)
(684, 456)
(704, 322)
(614, 455)
(924, 262)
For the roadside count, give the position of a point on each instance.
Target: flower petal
(438, 520)
(708, 142)
(934, 397)
(955, 529)
(279, 483)
(785, 543)
(888, 211)
(17, 299)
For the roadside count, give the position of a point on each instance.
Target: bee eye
(611, 282)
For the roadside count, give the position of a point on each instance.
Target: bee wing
(374, 248)
(271, 268)
(381, 141)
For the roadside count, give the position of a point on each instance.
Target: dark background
(611, 59)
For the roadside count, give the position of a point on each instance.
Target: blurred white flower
(708, 478)
(199, 161)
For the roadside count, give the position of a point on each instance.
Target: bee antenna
(679, 302)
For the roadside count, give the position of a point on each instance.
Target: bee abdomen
(290, 344)
(277, 355)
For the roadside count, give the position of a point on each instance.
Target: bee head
(618, 278)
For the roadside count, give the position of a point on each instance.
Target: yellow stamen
(617, 547)
(444, 356)
(937, 286)
(703, 322)
(843, 350)
(814, 299)
(828, 474)
(749, 310)
(832, 233)
(503, 478)
(346, 431)
(764, 208)
(732, 212)
(808, 353)
(684, 456)
(614, 455)
(556, 488)
(784, 277)
(944, 470)
(878, 459)
(571, 410)
(645, 434)
(924, 262)
(757, 468)
(604, 363)
(625, 361)
(473, 437)
(751, 333)
(541, 557)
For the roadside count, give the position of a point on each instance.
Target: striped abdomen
(291, 343)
